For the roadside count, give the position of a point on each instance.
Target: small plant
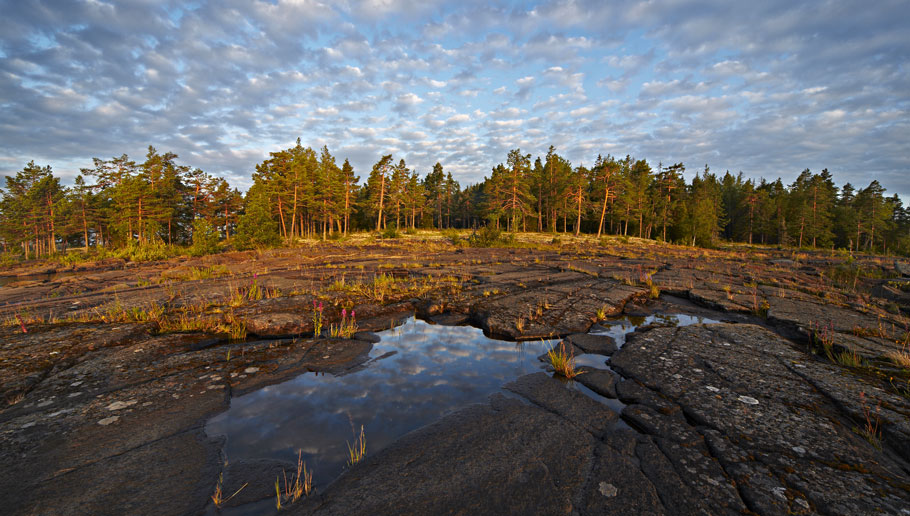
(729, 292)
(871, 429)
(317, 318)
(903, 390)
(601, 313)
(302, 485)
(217, 496)
(346, 328)
(823, 337)
(252, 292)
(563, 363)
(849, 358)
(358, 450)
(900, 358)
(277, 494)
(520, 324)
(21, 323)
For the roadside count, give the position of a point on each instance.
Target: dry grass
(900, 358)
(358, 450)
(563, 363)
(218, 495)
(871, 429)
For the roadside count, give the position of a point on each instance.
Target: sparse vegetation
(563, 363)
(358, 450)
(871, 426)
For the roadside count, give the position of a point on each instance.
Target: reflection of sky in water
(435, 370)
(619, 328)
(432, 371)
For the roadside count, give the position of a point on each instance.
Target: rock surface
(109, 372)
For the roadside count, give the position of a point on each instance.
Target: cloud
(769, 88)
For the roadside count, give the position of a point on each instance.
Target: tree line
(300, 192)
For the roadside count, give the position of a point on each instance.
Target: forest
(121, 205)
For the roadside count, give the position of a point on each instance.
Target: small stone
(117, 405)
(251, 370)
(28, 425)
(800, 450)
(108, 420)
(780, 492)
(76, 384)
(608, 490)
(802, 502)
(712, 388)
(748, 400)
(74, 394)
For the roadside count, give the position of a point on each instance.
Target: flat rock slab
(550, 394)
(593, 344)
(278, 324)
(601, 381)
(751, 404)
(253, 480)
(507, 457)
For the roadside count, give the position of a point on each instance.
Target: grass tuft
(218, 495)
(358, 450)
(563, 363)
(871, 429)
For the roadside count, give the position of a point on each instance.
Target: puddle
(420, 372)
(620, 327)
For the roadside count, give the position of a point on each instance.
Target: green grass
(358, 450)
(563, 363)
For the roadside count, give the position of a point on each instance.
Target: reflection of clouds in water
(437, 369)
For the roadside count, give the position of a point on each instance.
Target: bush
(490, 236)
(205, 238)
(390, 232)
(150, 250)
(452, 236)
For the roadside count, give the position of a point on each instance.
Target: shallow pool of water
(419, 373)
(619, 327)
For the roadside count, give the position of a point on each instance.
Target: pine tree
(377, 187)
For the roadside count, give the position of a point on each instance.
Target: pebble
(608, 490)
(108, 420)
(748, 400)
(712, 388)
(117, 405)
(251, 370)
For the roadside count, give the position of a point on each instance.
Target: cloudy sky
(768, 88)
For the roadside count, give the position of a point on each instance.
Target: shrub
(205, 238)
(390, 232)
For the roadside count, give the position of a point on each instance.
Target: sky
(768, 88)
